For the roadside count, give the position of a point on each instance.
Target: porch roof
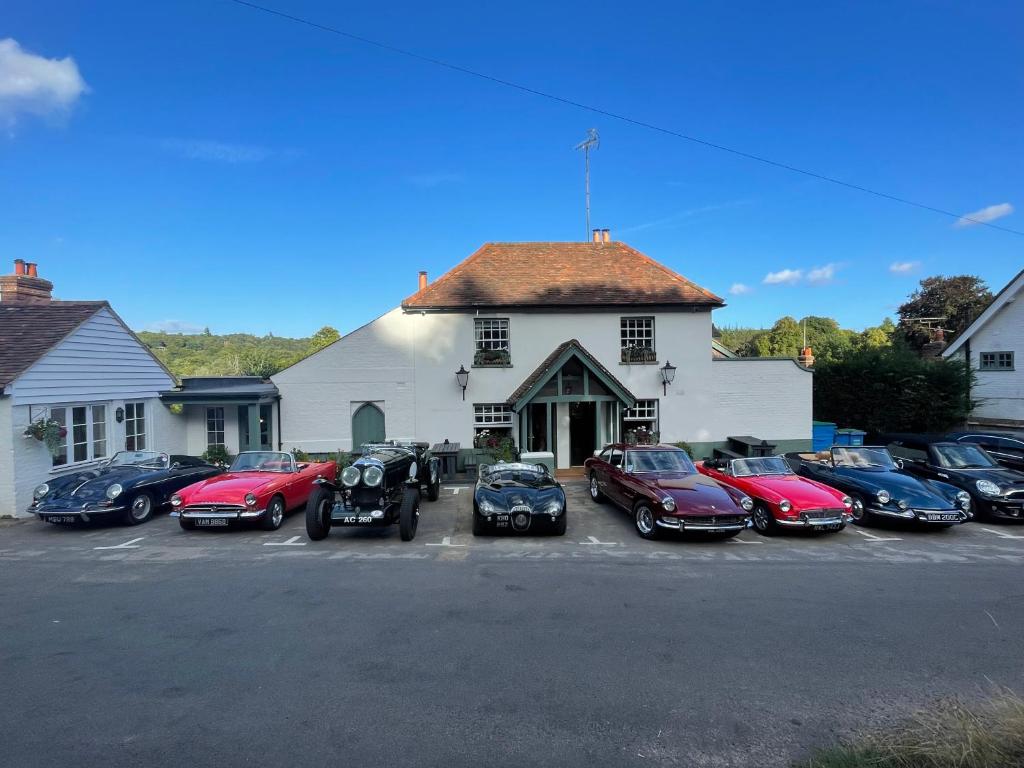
(198, 390)
(559, 357)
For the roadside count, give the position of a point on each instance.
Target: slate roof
(198, 389)
(29, 331)
(559, 275)
(546, 368)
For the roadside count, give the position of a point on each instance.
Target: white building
(991, 343)
(77, 363)
(565, 346)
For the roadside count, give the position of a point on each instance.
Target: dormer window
(636, 339)
(492, 342)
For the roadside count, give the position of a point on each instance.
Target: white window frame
(995, 360)
(135, 420)
(488, 415)
(644, 410)
(93, 427)
(636, 331)
(491, 333)
(214, 432)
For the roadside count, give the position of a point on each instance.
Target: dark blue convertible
(518, 498)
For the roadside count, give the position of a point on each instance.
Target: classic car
(997, 492)
(782, 499)
(382, 487)
(879, 488)
(259, 486)
(1005, 447)
(662, 490)
(517, 498)
(129, 486)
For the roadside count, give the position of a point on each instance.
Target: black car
(870, 476)
(997, 492)
(1005, 447)
(517, 498)
(382, 487)
(129, 486)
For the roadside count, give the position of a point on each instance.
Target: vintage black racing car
(517, 498)
(382, 487)
(879, 489)
(129, 486)
(997, 492)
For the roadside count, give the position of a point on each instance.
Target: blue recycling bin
(850, 437)
(823, 435)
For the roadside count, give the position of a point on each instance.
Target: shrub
(216, 454)
(300, 455)
(685, 446)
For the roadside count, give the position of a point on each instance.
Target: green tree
(877, 337)
(957, 299)
(782, 340)
(325, 336)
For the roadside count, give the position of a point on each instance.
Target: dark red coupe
(663, 491)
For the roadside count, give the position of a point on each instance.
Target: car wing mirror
(629, 469)
(899, 463)
(176, 465)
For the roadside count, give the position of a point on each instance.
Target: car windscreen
(863, 458)
(520, 477)
(659, 461)
(963, 456)
(766, 465)
(140, 458)
(262, 461)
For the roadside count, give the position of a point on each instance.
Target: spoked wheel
(274, 515)
(595, 489)
(140, 510)
(409, 514)
(318, 514)
(763, 521)
(643, 520)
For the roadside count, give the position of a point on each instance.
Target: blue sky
(215, 166)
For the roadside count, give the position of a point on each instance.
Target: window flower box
(492, 358)
(639, 355)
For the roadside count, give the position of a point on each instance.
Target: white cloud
(174, 326)
(738, 289)
(984, 216)
(904, 267)
(787, 276)
(35, 85)
(216, 151)
(822, 275)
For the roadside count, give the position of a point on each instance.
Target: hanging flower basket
(49, 431)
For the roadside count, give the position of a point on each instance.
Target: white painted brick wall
(1001, 391)
(770, 399)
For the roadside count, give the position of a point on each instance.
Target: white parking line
(594, 540)
(1001, 534)
(872, 537)
(454, 490)
(742, 541)
(292, 542)
(445, 542)
(127, 545)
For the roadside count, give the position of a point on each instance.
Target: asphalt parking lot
(154, 646)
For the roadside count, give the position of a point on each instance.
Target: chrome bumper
(677, 524)
(83, 513)
(920, 515)
(243, 514)
(813, 523)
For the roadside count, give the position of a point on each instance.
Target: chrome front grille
(822, 514)
(214, 509)
(713, 520)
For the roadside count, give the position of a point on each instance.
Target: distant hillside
(235, 354)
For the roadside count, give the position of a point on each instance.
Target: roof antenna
(592, 140)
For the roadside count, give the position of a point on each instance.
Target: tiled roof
(29, 331)
(546, 368)
(559, 274)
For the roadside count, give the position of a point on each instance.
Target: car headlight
(883, 497)
(350, 476)
(487, 506)
(902, 505)
(114, 491)
(250, 499)
(748, 503)
(669, 504)
(175, 500)
(785, 506)
(964, 499)
(984, 486)
(554, 507)
(372, 476)
(41, 490)
(847, 502)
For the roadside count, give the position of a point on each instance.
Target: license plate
(211, 522)
(60, 518)
(944, 517)
(830, 527)
(501, 518)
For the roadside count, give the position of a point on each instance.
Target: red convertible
(663, 491)
(258, 486)
(782, 498)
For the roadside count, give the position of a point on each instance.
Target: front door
(367, 426)
(582, 432)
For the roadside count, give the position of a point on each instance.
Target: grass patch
(950, 734)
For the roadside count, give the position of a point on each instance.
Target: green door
(367, 425)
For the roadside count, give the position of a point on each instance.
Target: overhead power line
(616, 116)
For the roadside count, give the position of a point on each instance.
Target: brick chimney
(24, 286)
(423, 280)
(806, 357)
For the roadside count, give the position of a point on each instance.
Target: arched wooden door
(367, 425)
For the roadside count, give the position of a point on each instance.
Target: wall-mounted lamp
(462, 377)
(668, 375)
(119, 415)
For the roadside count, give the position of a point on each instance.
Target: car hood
(78, 490)
(697, 494)
(230, 487)
(506, 497)
(915, 492)
(1008, 480)
(802, 491)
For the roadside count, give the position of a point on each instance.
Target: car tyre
(409, 514)
(479, 529)
(643, 521)
(595, 490)
(274, 515)
(434, 489)
(140, 509)
(764, 522)
(558, 527)
(861, 516)
(318, 513)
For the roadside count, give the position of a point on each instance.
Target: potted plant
(492, 357)
(635, 353)
(48, 431)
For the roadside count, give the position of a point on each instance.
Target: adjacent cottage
(560, 346)
(74, 370)
(991, 343)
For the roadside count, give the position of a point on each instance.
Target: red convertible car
(782, 498)
(663, 491)
(258, 486)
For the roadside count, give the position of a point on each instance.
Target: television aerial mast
(592, 140)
